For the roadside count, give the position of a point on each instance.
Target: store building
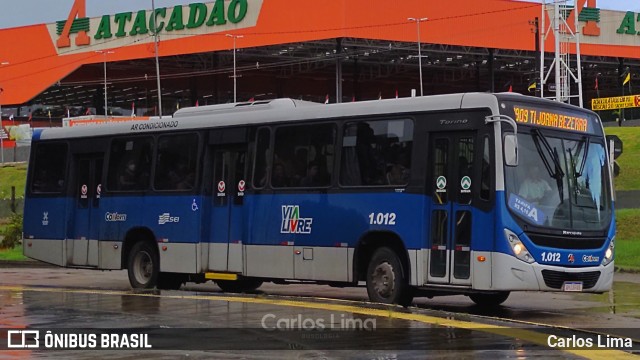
(343, 50)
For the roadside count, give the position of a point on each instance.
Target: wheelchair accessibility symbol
(194, 206)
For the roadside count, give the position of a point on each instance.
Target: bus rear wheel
(239, 286)
(143, 266)
(489, 300)
(387, 282)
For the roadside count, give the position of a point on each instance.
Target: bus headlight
(608, 255)
(518, 248)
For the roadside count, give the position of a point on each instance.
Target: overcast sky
(28, 12)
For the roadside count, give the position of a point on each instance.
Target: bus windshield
(560, 183)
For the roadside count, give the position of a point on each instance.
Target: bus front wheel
(143, 266)
(386, 279)
(489, 300)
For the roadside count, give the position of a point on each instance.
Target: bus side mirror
(511, 150)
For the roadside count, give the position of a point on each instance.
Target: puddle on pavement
(622, 299)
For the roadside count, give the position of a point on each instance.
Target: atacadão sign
(77, 32)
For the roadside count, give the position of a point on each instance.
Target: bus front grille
(564, 242)
(555, 279)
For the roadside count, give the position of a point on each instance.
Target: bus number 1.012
(550, 257)
(382, 219)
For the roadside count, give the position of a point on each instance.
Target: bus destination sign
(550, 118)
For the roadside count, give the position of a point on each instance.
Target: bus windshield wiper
(586, 143)
(557, 171)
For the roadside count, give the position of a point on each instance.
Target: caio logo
(79, 26)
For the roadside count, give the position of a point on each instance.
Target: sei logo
(167, 218)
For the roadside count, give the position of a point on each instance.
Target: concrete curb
(627, 271)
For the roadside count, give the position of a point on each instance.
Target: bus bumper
(511, 274)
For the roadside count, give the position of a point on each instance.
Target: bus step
(220, 276)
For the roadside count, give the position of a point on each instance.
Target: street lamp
(104, 58)
(234, 63)
(155, 42)
(418, 20)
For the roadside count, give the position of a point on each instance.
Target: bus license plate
(572, 286)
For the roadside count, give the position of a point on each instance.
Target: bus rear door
(449, 239)
(82, 243)
(227, 218)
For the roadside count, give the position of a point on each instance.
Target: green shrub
(12, 232)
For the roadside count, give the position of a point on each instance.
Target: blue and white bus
(477, 194)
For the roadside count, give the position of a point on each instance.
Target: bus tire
(239, 286)
(170, 281)
(387, 282)
(143, 265)
(490, 300)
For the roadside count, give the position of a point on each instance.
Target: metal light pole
(234, 64)
(155, 42)
(418, 20)
(104, 58)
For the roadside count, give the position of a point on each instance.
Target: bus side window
(49, 170)
(261, 164)
(303, 156)
(176, 162)
(130, 164)
(377, 153)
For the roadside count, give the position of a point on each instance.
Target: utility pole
(104, 60)
(155, 42)
(235, 87)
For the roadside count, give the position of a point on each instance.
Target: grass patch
(629, 161)
(12, 175)
(628, 239)
(12, 254)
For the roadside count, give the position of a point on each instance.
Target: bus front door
(449, 239)
(82, 242)
(227, 218)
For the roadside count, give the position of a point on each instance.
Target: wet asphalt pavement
(200, 321)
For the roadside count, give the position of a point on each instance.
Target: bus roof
(282, 110)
